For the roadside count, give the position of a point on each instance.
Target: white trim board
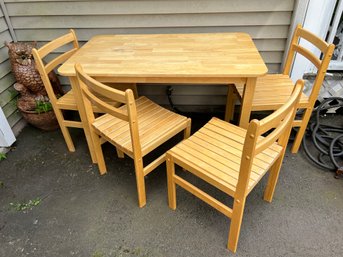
(7, 137)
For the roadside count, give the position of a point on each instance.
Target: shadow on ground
(84, 214)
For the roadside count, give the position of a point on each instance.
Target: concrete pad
(85, 214)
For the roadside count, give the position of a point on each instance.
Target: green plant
(26, 206)
(98, 254)
(42, 106)
(2, 156)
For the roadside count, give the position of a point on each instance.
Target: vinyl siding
(7, 92)
(266, 21)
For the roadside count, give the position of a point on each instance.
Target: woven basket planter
(45, 120)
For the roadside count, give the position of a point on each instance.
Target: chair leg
(135, 90)
(64, 130)
(187, 131)
(140, 181)
(298, 138)
(98, 153)
(120, 153)
(230, 103)
(170, 180)
(272, 180)
(235, 226)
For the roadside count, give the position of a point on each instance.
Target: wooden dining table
(206, 58)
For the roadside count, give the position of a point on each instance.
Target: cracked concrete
(85, 214)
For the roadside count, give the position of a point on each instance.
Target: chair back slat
(274, 135)
(44, 76)
(57, 43)
(273, 120)
(44, 70)
(307, 54)
(312, 38)
(59, 60)
(281, 122)
(94, 90)
(324, 47)
(321, 72)
(103, 106)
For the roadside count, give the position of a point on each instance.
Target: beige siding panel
(10, 108)
(272, 57)
(3, 24)
(266, 21)
(270, 44)
(7, 92)
(7, 96)
(14, 118)
(5, 68)
(194, 90)
(257, 32)
(5, 36)
(153, 21)
(3, 53)
(273, 67)
(29, 8)
(192, 100)
(6, 82)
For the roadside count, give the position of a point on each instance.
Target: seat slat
(235, 140)
(272, 91)
(212, 155)
(230, 157)
(150, 116)
(239, 131)
(187, 161)
(67, 101)
(150, 122)
(121, 134)
(228, 167)
(154, 122)
(106, 124)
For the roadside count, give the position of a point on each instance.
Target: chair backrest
(278, 125)
(93, 94)
(321, 64)
(45, 69)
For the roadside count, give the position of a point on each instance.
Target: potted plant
(42, 117)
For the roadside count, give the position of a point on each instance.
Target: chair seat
(272, 91)
(214, 153)
(155, 123)
(68, 102)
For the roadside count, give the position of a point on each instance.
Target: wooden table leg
(248, 95)
(83, 117)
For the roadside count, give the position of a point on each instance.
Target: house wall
(7, 92)
(266, 21)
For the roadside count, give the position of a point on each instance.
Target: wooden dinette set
(105, 71)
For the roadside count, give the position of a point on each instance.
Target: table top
(154, 56)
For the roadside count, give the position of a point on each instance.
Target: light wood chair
(273, 90)
(136, 128)
(66, 102)
(233, 160)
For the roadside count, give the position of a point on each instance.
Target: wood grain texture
(173, 58)
(273, 90)
(136, 128)
(233, 160)
(165, 56)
